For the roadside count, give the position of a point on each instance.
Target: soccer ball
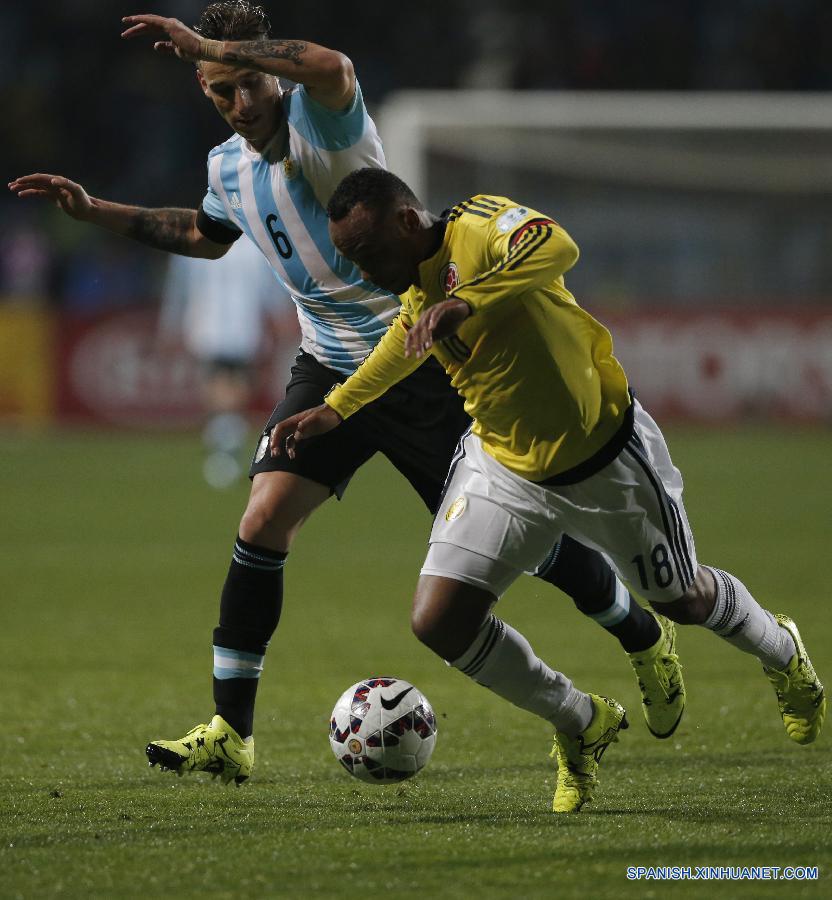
(382, 730)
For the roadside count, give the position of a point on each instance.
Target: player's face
(246, 99)
(380, 246)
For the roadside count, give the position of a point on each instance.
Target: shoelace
(659, 667)
(567, 766)
(808, 689)
(196, 731)
(779, 679)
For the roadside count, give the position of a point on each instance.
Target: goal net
(703, 223)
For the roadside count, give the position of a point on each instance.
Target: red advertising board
(112, 371)
(699, 366)
(717, 366)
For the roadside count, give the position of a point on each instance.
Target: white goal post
(703, 221)
(485, 122)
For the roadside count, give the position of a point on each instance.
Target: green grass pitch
(112, 558)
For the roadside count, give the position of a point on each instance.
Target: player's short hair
(375, 189)
(233, 20)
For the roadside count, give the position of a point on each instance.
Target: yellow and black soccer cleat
(800, 694)
(578, 757)
(215, 748)
(660, 681)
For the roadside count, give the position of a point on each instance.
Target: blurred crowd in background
(135, 128)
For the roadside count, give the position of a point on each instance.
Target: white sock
(739, 619)
(502, 660)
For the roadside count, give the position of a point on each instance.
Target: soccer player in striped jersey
(558, 444)
(270, 183)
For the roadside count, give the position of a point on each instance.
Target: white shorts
(493, 525)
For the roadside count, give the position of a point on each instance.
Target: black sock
(586, 577)
(252, 599)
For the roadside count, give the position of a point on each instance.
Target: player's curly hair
(233, 20)
(375, 189)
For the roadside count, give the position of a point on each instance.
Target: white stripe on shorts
(670, 515)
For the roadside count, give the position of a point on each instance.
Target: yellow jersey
(536, 371)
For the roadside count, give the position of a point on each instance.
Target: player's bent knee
(422, 627)
(254, 523)
(436, 637)
(428, 625)
(447, 614)
(695, 605)
(277, 507)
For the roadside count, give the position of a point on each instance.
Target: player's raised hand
(169, 35)
(68, 195)
(438, 323)
(286, 435)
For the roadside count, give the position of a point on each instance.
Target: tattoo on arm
(164, 229)
(251, 51)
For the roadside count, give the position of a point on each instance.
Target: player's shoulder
(491, 211)
(479, 209)
(232, 144)
(324, 128)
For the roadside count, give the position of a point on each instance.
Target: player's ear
(409, 220)
(202, 82)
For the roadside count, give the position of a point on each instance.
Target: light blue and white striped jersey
(278, 198)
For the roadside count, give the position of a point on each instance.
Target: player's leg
(252, 599)
(284, 493)
(647, 535)
(478, 547)
(454, 620)
(586, 577)
(649, 639)
(418, 425)
(720, 602)
(252, 596)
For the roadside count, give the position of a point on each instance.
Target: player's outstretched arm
(65, 194)
(173, 230)
(286, 435)
(437, 323)
(327, 74)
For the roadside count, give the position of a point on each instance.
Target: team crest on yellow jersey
(290, 168)
(456, 509)
(449, 277)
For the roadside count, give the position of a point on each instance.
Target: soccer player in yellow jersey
(558, 445)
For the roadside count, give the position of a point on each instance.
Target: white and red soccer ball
(382, 730)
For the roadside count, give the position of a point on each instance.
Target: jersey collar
(431, 269)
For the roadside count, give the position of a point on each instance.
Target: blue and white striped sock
(617, 611)
(230, 663)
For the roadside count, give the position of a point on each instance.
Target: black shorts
(416, 425)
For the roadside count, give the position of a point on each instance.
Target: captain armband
(215, 231)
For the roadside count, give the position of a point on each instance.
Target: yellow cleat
(800, 694)
(660, 681)
(578, 757)
(215, 748)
